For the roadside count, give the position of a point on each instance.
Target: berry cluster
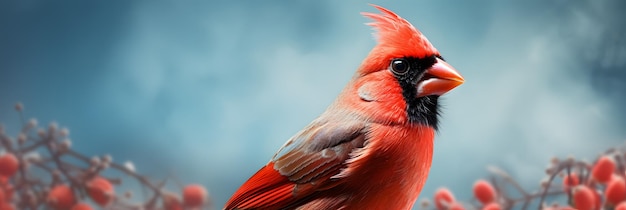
(586, 186)
(39, 169)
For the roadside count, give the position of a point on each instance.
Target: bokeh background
(209, 90)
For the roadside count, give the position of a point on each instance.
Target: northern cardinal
(372, 148)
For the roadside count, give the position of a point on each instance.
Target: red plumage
(372, 148)
(396, 38)
(266, 188)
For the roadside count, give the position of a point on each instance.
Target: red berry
(570, 181)
(82, 206)
(484, 192)
(456, 206)
(492, 206)
(7, 206)
(8, 191)
(8, 165)
(603, 169)
(61, 197)
(171, 202)
(621, 206)
(584, 198)
(100, 190)
(615, 191)
(2, 198)
(443, 198)
(194, 195)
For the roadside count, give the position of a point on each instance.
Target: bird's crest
(398, 34)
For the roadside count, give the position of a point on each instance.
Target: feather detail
(302, 167)
(264, 189)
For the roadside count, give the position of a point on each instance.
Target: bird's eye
(399, 66)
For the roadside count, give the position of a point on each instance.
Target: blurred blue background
(209, 90)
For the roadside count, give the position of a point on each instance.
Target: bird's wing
(304, 165)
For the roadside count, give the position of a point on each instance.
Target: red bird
(372, 148)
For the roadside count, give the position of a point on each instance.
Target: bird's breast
(393, 167)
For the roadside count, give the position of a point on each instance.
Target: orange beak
(439, 79)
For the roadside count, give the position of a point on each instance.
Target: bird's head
(408, 65)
